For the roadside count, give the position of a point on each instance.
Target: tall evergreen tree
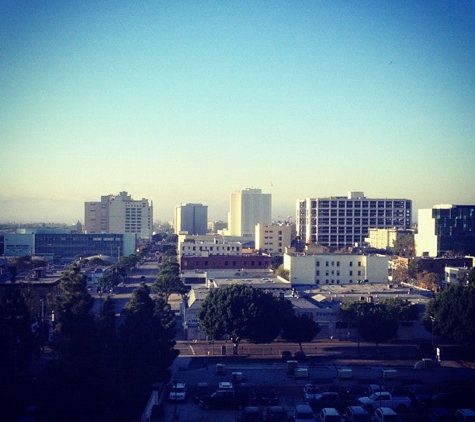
(147, 343)
(70, 392)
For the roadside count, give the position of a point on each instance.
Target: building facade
(248, 207)
(70, 245)
(445, 227)
(119, 214)
(342, 222)
(335, 269)
(273, 239)
(225, 262)
(191, 219)
(204, 248)
(385, 238)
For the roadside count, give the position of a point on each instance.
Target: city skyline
(190, 102)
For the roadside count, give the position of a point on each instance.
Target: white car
(178, 392)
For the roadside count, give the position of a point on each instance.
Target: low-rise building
(338, 269)
(273, 239)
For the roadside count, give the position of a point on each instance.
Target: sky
(190, 101)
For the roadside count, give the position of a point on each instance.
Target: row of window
(337, 273)
(210, 248)
(335, 263)
(332, 281)
(360, 204)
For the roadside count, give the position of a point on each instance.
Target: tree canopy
(452, 311)
(300, 328)
(378, 322)
(243, 312)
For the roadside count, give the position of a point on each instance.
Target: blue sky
(189, 101)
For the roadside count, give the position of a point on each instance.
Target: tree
(378, 322)
(451, 313)
(17, 342)
(300, 328)
(68, 388)
(243, 312)
(147, 343)
(167, 284)
(404, 246)
(430, 281)
(415, 267)
(401, 273)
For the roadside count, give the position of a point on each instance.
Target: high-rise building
(445, 227)
(342, 222)
(248, 207)
(119, 214)
(191, 218)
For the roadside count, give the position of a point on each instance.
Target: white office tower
(248, 207)
(344, 221)
(191, 219)
(119, 214)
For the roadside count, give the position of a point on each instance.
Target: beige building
(273, 239)
(385, 238)
(119, 214)
(335, 269)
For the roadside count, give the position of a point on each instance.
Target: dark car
(219, 400)
(245, 394)
(268, 396)
(419, 394)
(300, 356)
(449, 400)
(326, 399)
(201, 389)
(286, 355)
(440, 414)
(251, 414)
(277, 414)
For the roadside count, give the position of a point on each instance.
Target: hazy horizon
(191, 101)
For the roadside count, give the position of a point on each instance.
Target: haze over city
(191, 101)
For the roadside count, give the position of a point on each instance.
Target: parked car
(268, 396)
(245, 394)
(303, 413)
(251, 414)
(201, 389)
(277, 414)
(329, 414)
(465, 415)
(385, 414)
(440, 414)
(326, 399)
(356, 414)
(419, 394)
(219, 400)
(310, 391)
(178, 392)
(384, 399)
(300, 356)
(286, 355)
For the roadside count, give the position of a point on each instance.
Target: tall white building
(342, 222)
(248, 207)
(119, 214)
(191, 218)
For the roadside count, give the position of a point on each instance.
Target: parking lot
(284, 378)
